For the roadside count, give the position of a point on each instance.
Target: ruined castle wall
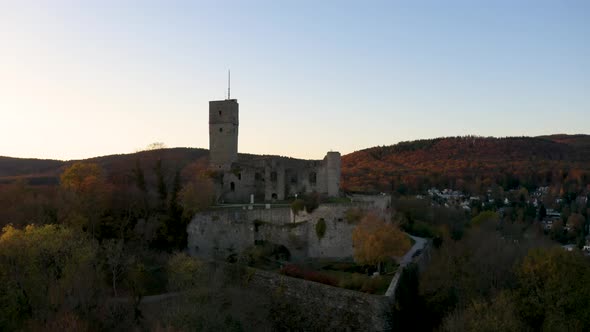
(217, 236)
(320, 307)
(246, 182)
(274, 177)
(293, 236)
(304, 180)
(274, 216)
(332, 164)
(337, 240)
(321, 185)
(277, 178)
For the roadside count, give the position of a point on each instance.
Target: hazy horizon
(89, 79)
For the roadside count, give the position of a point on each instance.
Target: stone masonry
(241, 178)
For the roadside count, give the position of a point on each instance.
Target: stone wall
(285, 303)
(223, 133)
(220, 233)
(421, 260)
(337, 240)
(309, 306)
(271, 178)
(225, 231)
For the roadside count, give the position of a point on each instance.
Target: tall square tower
(223, 133)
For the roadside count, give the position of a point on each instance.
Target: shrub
(295, 271)
(353, 215)
(297, 205)
(262, 252)
(312, 201)
(364, 283)
(485, 217)
(354, 282)
(375, 285)
(183, 272)
(420, 228)
(320, 228)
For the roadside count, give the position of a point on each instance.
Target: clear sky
(88, 78)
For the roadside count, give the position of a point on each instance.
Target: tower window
(239, 176)
(219, 112)
(232, 187)
(220, 130)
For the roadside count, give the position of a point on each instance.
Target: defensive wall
(221, 232)
(313, 306)
(306, 305)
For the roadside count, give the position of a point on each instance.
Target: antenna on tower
(228, 84)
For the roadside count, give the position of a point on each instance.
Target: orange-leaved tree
(198, 192)
(86, 195)
(376, 241)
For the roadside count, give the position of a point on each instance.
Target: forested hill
(19, 166)
(118, 167)
(470, 162)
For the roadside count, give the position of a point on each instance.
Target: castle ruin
(245, 179)
(249, 179)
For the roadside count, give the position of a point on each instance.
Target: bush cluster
(320, 228)
(295, 271)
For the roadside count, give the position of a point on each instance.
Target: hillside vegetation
(469, 163)
(118, 167)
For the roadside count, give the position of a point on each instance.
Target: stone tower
(333, 162)
(223, 133)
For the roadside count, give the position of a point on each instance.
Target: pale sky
(87, 78)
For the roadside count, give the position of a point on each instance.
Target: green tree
(184, 272)
(297, 205)
(554, 288)
(21, 204)
(161, 184)
(486, 217)
(45, 270)
(499, 314)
